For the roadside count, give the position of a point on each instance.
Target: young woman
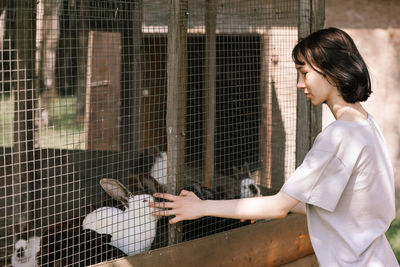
(345, 184)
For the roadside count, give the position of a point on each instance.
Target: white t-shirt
(346, 181)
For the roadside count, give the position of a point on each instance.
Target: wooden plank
(83, 35)
(19, 209)
(24, 106)
(102, 116)
(154, 96)
(307, 261)
(309, 119)
(274, 144)
(136, 15)
(303, 106)
(176, 101)
(318, 15)
(267, 243)
(317, 22)
(210, 87)
(266, 114)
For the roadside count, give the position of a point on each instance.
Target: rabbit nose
(20, 253)
(253, 189)
(145, 200)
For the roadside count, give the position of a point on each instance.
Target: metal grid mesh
(87, 93)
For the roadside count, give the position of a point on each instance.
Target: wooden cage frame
(269, 243)
(282, 242)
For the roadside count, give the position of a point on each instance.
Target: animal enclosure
(104, 103)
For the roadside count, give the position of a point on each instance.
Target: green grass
(63, 131)
(6, 119)
(393, 235)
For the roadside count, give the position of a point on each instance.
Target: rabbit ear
(116, 190)
(152, 185)
(144, 183)
(247, 169)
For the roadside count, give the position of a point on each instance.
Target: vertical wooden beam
(317, 15)
(24, 92)
(317, 23)
(176, 101)
(103, 92)
(137, 35)
(3, 5)
(266, 113)
(309, 118)
(210, 84)
(83, 35)
(272, 131)
(303, 137)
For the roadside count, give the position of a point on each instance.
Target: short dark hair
(336, 56)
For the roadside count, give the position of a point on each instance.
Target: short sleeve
(320, 180)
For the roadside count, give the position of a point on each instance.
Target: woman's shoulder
(346, 129)
(336, 131)
(340, 136)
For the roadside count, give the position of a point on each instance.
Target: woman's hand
(186, 206)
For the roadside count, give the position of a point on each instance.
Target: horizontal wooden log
(307, 261)
(266, 243)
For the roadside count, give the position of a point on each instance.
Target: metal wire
(91, 90)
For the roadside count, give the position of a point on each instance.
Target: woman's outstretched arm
(299, 208)
(187, 206)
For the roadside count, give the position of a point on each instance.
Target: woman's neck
(342, 110)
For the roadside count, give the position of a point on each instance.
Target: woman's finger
(165, 196)
(163, 213)
(174, 220)
(164, 205)
(184, 193)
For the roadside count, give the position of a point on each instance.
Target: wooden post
(83, 35)
(266, 114)
(176, 101)
(103, 91)
(210, 84)
(137, 39)
(309, 118)
(24, 92)
(317, 23)
(3, 4)
(317, 15)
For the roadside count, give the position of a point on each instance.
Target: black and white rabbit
(159, 170)
(27, 244)
(25, 252)
(207, 225)
(66, 244)
(248, 186)
(132, 229)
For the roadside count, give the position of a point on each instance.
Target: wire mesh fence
(105, 102)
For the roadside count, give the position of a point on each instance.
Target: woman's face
(314, 85)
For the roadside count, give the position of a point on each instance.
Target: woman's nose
(300, 84)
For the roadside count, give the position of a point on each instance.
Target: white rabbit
(25, 252)
(159, 170)
(133, 229)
